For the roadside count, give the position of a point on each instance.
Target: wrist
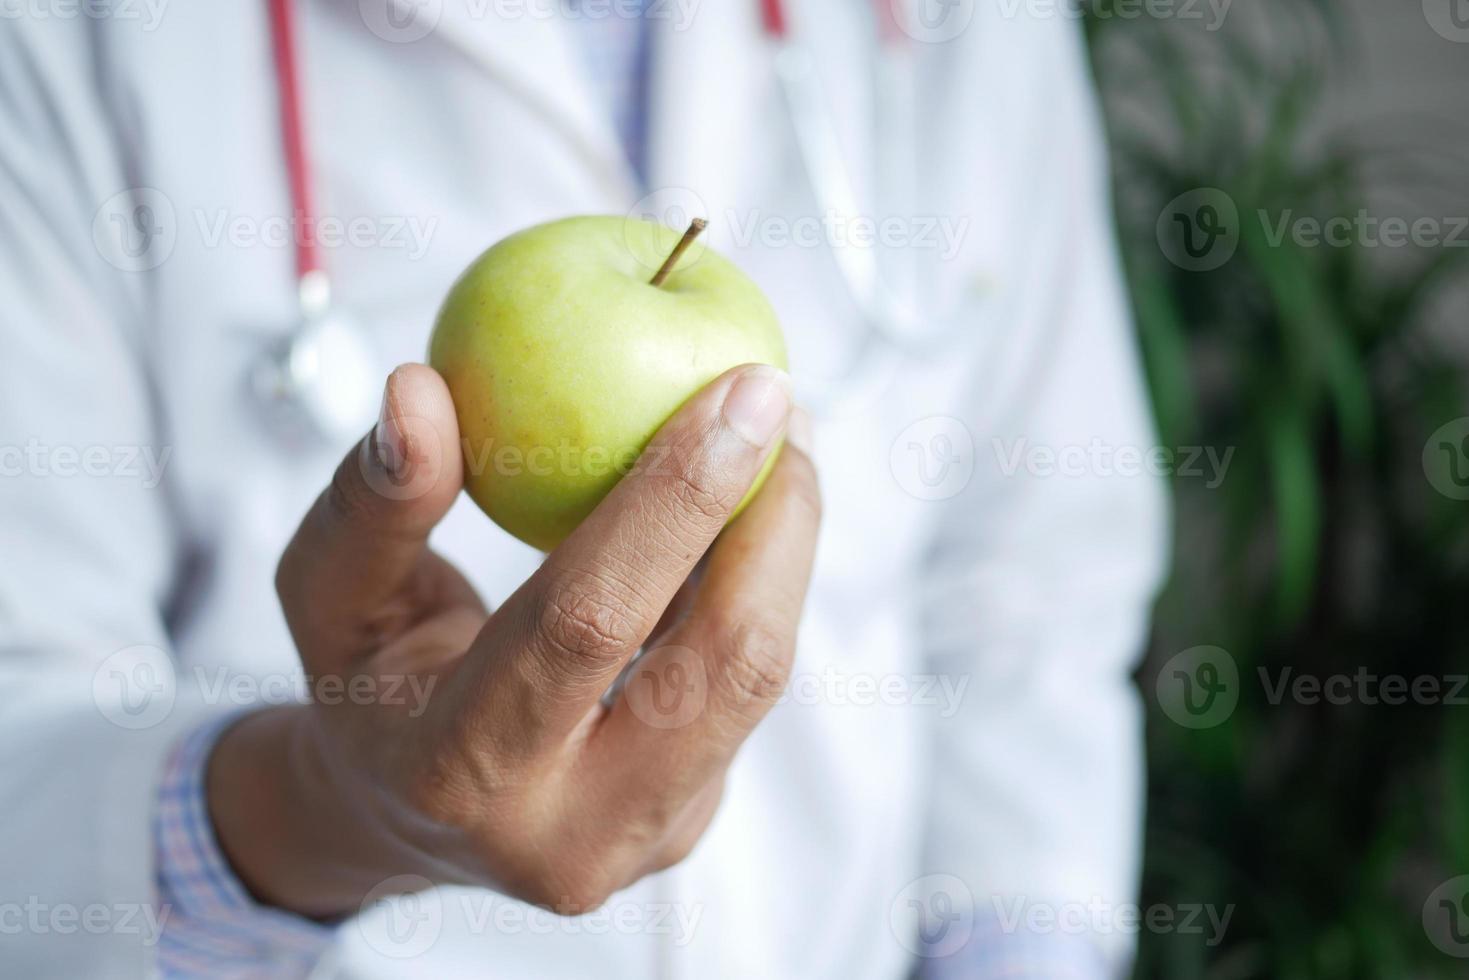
(281, 821)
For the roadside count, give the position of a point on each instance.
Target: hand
(516, 776)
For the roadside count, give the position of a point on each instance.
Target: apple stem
(695, 226)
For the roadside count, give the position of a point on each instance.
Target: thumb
(343, 577)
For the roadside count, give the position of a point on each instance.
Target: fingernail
(387, 439)
(798, 430)
(757, 406)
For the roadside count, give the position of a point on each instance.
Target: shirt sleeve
(211, 926)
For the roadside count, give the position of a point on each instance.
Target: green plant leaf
(1296, 494)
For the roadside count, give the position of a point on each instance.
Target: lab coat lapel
(710, 76)
(533, 54)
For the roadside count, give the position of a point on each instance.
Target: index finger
(690, 702)
(559, 641)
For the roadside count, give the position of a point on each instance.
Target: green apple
(563, 359)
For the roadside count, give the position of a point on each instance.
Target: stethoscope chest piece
(319, 381)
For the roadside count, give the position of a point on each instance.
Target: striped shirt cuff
(213, 927)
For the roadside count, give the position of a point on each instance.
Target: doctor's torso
(426, 149)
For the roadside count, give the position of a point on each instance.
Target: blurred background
(1293, 199)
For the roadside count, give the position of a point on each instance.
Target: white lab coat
(1030, 587)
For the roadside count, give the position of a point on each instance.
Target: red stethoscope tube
(777, 26)
(293, 136)
(773, 18)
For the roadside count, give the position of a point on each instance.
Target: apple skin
(563, 361)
